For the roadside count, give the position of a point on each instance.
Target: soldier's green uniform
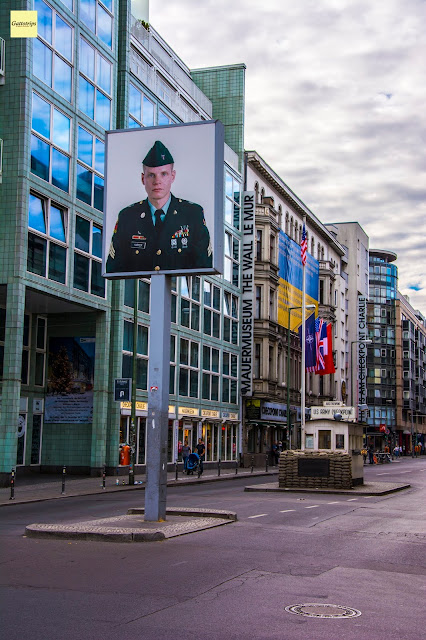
(182, 242)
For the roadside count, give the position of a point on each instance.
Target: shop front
(141, 433)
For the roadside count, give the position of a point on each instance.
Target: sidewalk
(49, 487)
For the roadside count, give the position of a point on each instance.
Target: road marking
(337, 502)
(385, 473)
(287, 510)
(406, 471)
(260, 515)
(314, 506)
(367, 497)
(351, 499)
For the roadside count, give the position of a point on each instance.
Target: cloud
(335, 98)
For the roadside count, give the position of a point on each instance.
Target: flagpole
(303, 374)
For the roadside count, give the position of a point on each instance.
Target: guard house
(336, 435)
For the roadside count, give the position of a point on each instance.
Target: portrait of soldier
(162, 232)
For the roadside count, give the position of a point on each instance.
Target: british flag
(322, 343)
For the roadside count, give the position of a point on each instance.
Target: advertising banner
(290, 282)
(362, 350)
(164, 198)
(247, 297)
(69, 397)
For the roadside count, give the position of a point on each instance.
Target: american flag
(303, 246)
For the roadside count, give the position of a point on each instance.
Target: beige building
(280, 211)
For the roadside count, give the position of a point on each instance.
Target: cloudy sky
(335, 104)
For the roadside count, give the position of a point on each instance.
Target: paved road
(233, 582)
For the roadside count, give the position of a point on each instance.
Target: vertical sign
(247, 298)
(362, 351)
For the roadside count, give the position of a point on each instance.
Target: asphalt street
(235, 581)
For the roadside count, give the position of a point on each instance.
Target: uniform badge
(184, 242)
(112, 250)
(143, 214)
(173, 243)
(138, 242)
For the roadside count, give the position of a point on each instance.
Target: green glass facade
(92, 68)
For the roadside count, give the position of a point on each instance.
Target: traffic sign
(122, 389)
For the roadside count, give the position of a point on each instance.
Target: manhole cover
(319, 610)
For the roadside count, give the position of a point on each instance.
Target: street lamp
(363, 341)
(290, 309)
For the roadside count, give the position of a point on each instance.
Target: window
(141, 109)
(230, 318)
(189, 310)
(272, 305)
(258, 303)
(47, 239)
(98, 17)
(272, 249)
(50, 143)
(53, 50)
(211, 298)
(232, 201)
(90, 169)
(95, 85)
(2, 338)
(25, 364)
(210, 373)
(88, 257)
(257, 359)
(258, 245)
(324, 439)
(163, 118)
(229, 377)
(188, 368)
(143, 296)
(172, 381)
(232, 259)
(40, 355)
(68, 3)
(141, 354)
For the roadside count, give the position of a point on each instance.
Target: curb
(181, 482)
(348, 492)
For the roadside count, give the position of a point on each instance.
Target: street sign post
(122, 389)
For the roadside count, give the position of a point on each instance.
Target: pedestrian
(201, 450)
(371, 455)
(364, 454)
(186, 450)
(275, 453)
(396, 451)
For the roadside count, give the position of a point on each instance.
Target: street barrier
(64, 471)
(12, 485)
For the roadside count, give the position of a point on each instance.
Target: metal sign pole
(158, 399)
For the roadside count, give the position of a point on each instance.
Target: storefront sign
(188, 411)
(347, 413)
(140, 406)
(227, 415)
(362, 350)
(274, 411)
(247, 297)
(209, 413)
(253, 409)
(333, 403)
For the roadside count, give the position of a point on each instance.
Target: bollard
(218, 467)
(252, 464)
(103, 477)
(176, 469)
(266, 463)
(236, 467)
(12, 485)
(64, 470)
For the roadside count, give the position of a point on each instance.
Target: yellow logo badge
(23, 24)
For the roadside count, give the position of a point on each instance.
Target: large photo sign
(164, 200)
(362, 350)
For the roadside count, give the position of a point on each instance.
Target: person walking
(201, 450)
(186, 450)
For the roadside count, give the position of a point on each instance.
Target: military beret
(158, 156)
